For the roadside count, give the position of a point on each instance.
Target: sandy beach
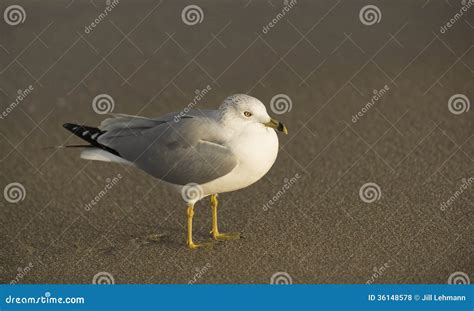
(373, 184)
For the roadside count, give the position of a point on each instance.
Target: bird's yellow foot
(215, 228)
(226, 236)
(206, 245)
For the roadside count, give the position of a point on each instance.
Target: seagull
(199, 153)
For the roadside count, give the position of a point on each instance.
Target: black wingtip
(89, 134)
(79, 129)
(69, 126)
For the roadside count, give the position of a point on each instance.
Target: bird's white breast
(256, 151)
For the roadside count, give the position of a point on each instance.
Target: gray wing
(191, 150)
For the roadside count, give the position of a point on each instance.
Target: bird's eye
(247, 114)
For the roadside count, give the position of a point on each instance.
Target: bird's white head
(244, 109)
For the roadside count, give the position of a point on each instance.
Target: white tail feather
(97, 154)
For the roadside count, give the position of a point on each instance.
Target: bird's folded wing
(191, 150)
(123, 121)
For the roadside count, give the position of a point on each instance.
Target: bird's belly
(256, 154)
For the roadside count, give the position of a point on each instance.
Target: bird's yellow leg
(216, 235)
(189, 238)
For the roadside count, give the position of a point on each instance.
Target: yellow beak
(277, 126)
